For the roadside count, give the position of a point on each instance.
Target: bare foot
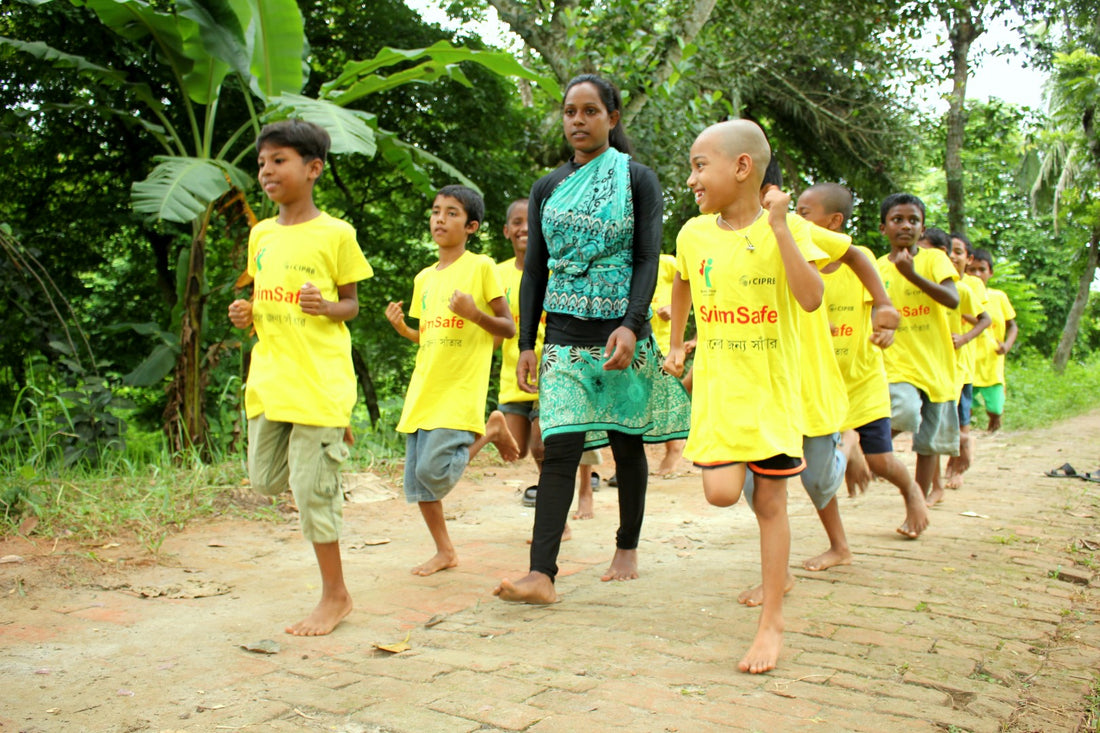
(935, 496)
(496, 430)
(584, 506)
(536, 588)
(916, 515)
(828, 559)
(954, 481)
(324, 619)
(441, 561)
(755, 596)
(763, 655)
(624, 566)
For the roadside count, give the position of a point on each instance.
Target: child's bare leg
(890, 468)
(958, 465)
(927, 479)
(497, 433)
(674, 450)
(838, 552)
(722, 485)
(857, 475)
(445, 555)
(520, 428)
(994, 422)
(335, 601)
(770, 505)
(584, 494)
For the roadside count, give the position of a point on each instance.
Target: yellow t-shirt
(510, 278)
(301, 370)
(922, 353)
(972, 302)
(746, 402)
(860, 361)
(824, 396)
(450, 381)
(662, 296)
(989, 368)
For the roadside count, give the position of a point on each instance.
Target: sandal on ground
(1063, 471)
(613, 481)
(530, 494)
(1093, 476)
(595, 481)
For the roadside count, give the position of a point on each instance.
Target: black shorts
(874, 437)
(778, 466)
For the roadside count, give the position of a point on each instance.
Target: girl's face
(586, 122)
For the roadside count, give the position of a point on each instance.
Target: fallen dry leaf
(396, 648)
(10, 558)
(27, 525)
(263, 646)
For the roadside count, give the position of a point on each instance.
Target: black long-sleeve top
(570, 330)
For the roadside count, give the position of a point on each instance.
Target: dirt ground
(989, 622)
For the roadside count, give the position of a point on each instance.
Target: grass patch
(1038, 397)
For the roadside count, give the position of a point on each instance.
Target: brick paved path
(987, 623)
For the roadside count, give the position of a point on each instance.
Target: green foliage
(1038, 396)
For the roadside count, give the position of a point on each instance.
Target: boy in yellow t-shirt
(998, 339)
(967, 325)
(301, 385)
(460, 305)
(920, 365)
(662, 332)
(747, 276)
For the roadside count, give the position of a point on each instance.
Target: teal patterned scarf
(588, 226)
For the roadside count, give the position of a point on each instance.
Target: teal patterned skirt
(576, 394)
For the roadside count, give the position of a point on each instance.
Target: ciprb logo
(746, 281)
(705, 266)
(259, 259)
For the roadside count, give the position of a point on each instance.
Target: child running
(747, 276)
(989, 368)
(858, 347)
(966, 328)
(460, 304)
(301, 385)
(920, 365)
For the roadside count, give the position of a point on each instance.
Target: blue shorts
(935, 425)
(528, 408)
(874, 437)
(966, 400)
(434, 462)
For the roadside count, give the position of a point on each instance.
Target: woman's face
(586, 121)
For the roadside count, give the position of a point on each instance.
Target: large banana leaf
(275, 36)
(409, 161)
(359, 78)
(351, 131)
(138, 21)
(179, 189)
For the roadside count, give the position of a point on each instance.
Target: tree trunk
(184, 415)
(1073, 319)
(362, 373)
(963, 26)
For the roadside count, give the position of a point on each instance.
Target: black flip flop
(1063, 471)
(530, 494)
(1093, 476)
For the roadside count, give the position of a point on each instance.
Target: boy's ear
(836, 222)
(472, 226)
(314, 168)
(743, 167)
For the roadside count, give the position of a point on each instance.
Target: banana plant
(255, 49)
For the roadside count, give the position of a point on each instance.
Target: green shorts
(306, 459)
(993, 397)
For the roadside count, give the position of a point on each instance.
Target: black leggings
(555, 494)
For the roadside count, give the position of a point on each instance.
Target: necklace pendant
(750, 248)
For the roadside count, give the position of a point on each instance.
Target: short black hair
(310, 139)
(469, 198)
(899, 199)
(511, 208)
(773, 174)
(965, 240)
(836, 198)
(984, 256)
(938, 238)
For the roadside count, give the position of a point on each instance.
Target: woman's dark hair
(612, 100)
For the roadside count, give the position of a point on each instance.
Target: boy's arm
(681, 304)
(883, 314)
(802, 277)
(343, 309)
(982, 322)
(499, 324)
(1011, 332)
(944, 292)
(396, 317)
(240, 313)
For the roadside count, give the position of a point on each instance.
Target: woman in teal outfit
(593, 246)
